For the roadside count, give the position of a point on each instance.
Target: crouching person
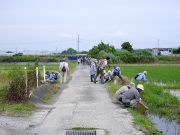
(50, 77)
(132, 97)
(120, 93)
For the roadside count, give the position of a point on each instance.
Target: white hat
(140, 86)
(131, 85)
(95, 60)
(145, 72)
(109, 71)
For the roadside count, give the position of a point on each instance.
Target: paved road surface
(84, 104)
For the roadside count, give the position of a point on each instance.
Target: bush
(103, 55)
(143, 56)
(124, 56)
(17, 91)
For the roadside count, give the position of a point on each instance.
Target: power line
(49, 42)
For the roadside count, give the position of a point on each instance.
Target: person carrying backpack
(101, 67)
(117, 72)
(141, 76)
(63, 70)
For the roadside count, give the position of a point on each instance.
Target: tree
(127, 46)
(176, 51)
(9, 52)
(69, 51)
(101, 47)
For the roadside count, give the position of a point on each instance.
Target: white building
(162, 51)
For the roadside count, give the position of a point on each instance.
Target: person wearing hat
(50, 77)
(117, 72)
(132, 97)
(119, 93)
(107, 76)
(101, 67)
(93, 69)
(141, 76)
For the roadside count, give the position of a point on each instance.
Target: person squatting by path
(50, 77)
(131, 98)
(108, 76)
(100, 70)
(93, 69)
(63, 73)
(120, 93)
(141, 76)
(117, 72)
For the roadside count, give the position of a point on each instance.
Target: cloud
(66, 35)
(117, 34)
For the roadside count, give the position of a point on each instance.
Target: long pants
(63, 77)
(92, 77)
(120, 77)
(99, 71)
(133, 103)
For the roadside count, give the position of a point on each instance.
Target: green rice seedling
(168, 75)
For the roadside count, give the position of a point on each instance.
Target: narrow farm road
(80, 104)
(85, 104)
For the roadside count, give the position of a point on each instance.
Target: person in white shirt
(63, 70)
(93, 69)
(101, 67)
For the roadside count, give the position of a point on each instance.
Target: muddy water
(165, 125)
(175, 92)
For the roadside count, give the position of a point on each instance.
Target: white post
(37, 75)
(25, 69)
(44, 73)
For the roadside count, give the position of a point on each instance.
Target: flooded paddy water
(165, 125)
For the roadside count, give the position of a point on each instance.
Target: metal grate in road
(81, 132)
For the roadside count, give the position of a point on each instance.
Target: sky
(54, 25)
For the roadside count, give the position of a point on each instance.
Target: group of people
(63, 71)
(129, 95)
(98, 68)
(83, 60)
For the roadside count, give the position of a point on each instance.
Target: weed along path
(82, 104)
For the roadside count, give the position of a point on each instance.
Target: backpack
(100, 63)
(136, 76)
(55, 75)
(63, 69)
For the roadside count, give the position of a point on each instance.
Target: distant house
(162, 51)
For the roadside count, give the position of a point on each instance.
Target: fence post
(44, 73)
(25, 69)
(37, 75)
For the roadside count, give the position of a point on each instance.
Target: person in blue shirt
(116, 71)
(142, 76)
(50, 77)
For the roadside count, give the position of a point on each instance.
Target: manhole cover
(81, 132)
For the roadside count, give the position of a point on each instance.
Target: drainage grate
(81, 132)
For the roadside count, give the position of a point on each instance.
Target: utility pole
(78, 45)
(56, 51)
(158, 48)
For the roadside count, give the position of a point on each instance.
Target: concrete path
(85, 104)
(81, 104)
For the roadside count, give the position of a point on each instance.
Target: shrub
(17, 91)
(144, 56)
(124, 56)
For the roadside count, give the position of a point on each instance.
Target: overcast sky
(55, 24)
